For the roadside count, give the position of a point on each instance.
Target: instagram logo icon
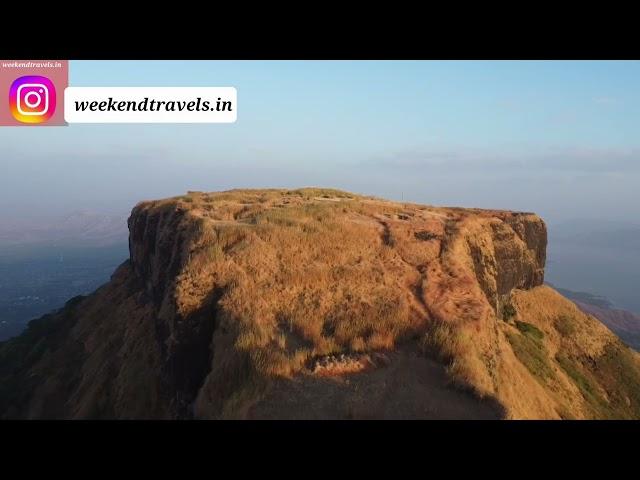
(32, 99)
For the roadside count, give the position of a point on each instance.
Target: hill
(623, 323)
(317, 303)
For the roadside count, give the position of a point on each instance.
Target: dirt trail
(408, 387)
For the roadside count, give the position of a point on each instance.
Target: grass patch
(299, 216)
(571, 368)
(530, 331)
(530, 351)
(616, 373)
(585, 384)
(565, 325)
(444, 342)
(280, 218)
(319, 192)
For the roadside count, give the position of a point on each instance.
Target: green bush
(508, 312)
(565, 325)
(530, 331)
(531, 354)
(530, 351)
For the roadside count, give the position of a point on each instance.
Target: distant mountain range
(596, 256)
(622, 236)
(80, 228)
(623, 323)
(44, 263)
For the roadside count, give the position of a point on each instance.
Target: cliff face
(314, 304)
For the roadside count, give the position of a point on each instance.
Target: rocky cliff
(317, 303)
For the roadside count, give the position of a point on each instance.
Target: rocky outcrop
(508, 252)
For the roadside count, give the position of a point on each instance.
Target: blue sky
(558, 138)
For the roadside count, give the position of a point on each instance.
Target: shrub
(565, 325)
(530, 330)
(425, 236)
(445, 342)
(508, 312)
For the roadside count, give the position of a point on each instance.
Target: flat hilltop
(319, 303)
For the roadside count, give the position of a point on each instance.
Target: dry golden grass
(581, 363)
(306, 273)
(314, 272)
(228, 294)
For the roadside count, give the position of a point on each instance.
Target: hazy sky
(557, 138)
